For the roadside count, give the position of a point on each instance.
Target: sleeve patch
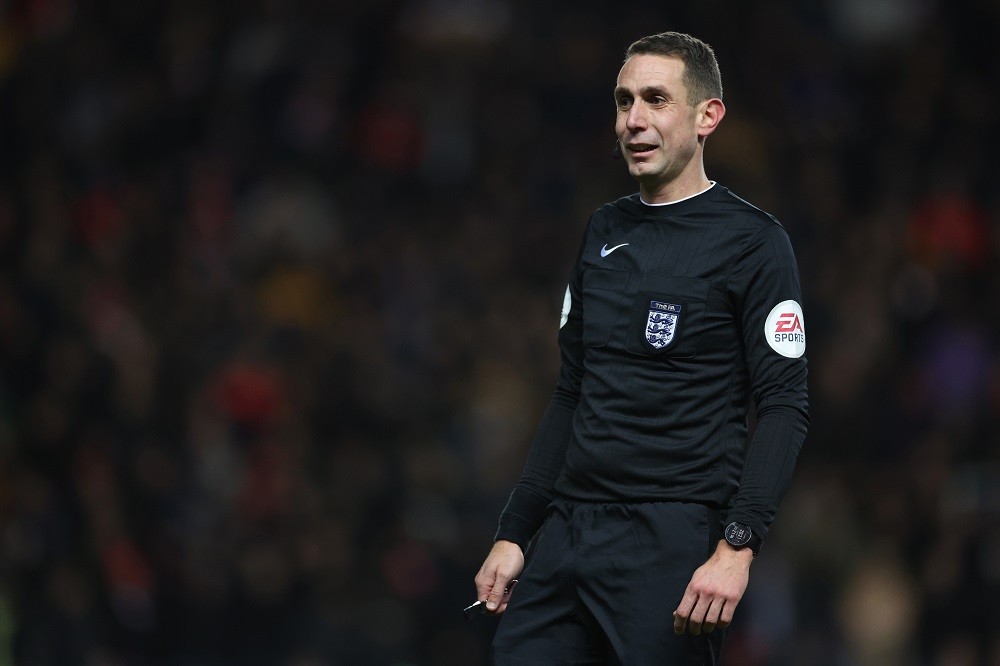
(785, 330)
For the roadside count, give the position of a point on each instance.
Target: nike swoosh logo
(605, 251)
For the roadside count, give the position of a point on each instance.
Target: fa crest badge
(661, 324)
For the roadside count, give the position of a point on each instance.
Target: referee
(644, 495)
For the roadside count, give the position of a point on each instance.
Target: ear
(710, 114)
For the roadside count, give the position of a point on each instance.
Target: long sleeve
(531, 495)
(765, 288)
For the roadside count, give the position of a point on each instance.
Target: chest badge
(661, 324)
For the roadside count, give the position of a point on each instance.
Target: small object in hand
(479, 608)
(475, 609)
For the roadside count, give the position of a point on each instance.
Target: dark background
(280, 284)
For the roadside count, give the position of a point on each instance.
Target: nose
(635, 120)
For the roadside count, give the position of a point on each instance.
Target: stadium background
(279, 285)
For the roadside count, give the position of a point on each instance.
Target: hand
(714, 591)
(494, 580)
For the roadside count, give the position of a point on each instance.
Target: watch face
(737, 534)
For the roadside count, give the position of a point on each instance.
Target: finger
(684, 611)
(726, 616)
(484, 583)
(697, 617)
(505, 600)
(712, 616)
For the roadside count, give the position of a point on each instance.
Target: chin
(640, 169)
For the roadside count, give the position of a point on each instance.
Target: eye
(623, 103)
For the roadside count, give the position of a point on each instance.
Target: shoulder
(759, 234)
(627, 206)
(755, 219)
(614, 216)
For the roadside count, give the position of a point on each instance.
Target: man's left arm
(764, 287)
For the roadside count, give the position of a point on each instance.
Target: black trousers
(601, 583)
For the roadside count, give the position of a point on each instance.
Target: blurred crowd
(280, 284)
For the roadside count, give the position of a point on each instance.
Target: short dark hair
(701, 70)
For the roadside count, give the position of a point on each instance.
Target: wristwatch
(739, 535)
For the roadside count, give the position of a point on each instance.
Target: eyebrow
(644, 91)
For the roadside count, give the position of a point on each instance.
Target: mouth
(640, 149)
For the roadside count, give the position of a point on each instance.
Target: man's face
(656, 126)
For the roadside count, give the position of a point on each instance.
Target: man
(644, 494)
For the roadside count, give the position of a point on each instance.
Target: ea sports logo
(784, 330)
(789, 322)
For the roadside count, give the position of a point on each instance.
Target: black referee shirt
(676, 318)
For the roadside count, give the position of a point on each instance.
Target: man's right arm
(533, 492)
(525, 509)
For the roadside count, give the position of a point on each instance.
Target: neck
(685, 185)
(671, 202)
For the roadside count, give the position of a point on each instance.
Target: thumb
(498, 590)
